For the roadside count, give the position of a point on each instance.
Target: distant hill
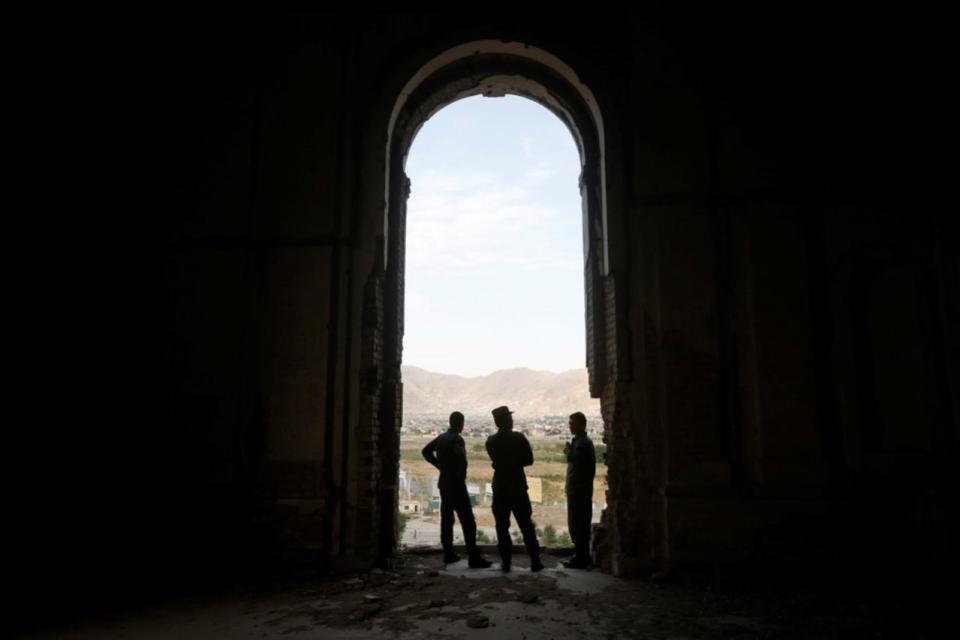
(529, 393)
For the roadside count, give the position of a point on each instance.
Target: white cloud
(538, 175)
(526, 145)
(469, 221)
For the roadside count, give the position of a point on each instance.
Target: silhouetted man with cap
(448, 453)
(510, 452)
(581, 467)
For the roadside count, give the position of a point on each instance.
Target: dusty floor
(422, 599)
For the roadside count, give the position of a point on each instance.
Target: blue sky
(494, 256)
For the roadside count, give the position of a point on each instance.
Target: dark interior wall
(802, 162)
(783, 289)
(187, 441)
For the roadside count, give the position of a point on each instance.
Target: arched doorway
(487, 68)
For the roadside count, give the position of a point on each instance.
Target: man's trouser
(579, 515)
(516, 502)
(454, 497)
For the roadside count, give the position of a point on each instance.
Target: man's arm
(430, 453)
(583, 458)
(460, 455)
(493, 463)
(591, 456)
(526, 453)
(573, 471)
(591, 453)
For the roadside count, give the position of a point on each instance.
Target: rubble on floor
(420, 598)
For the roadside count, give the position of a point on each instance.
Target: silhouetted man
(581, 467)
(510, 452)
(448, 453)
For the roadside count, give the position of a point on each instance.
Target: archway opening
(494, 311)
(493, 68)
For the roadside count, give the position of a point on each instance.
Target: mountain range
(528, 393)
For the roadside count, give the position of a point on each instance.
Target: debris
(433, 574)
(437, 603)
(353, 582)
(372, 597)
(367, 611)
(478, 622)
(529, 598)
(298, 629)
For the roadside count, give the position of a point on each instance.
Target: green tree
(483, 537)
(550, 535)
(401, 524)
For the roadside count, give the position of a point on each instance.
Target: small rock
(659, 577)
(437, 603)
(478, 622)
(433, 574)
(372, 597)
(529, 598)
(353, 582)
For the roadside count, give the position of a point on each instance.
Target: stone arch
(483, 67)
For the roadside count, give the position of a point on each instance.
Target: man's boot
(477, 561)
(506, 553)
(535, 564)
(577, 562)
(449, 557)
